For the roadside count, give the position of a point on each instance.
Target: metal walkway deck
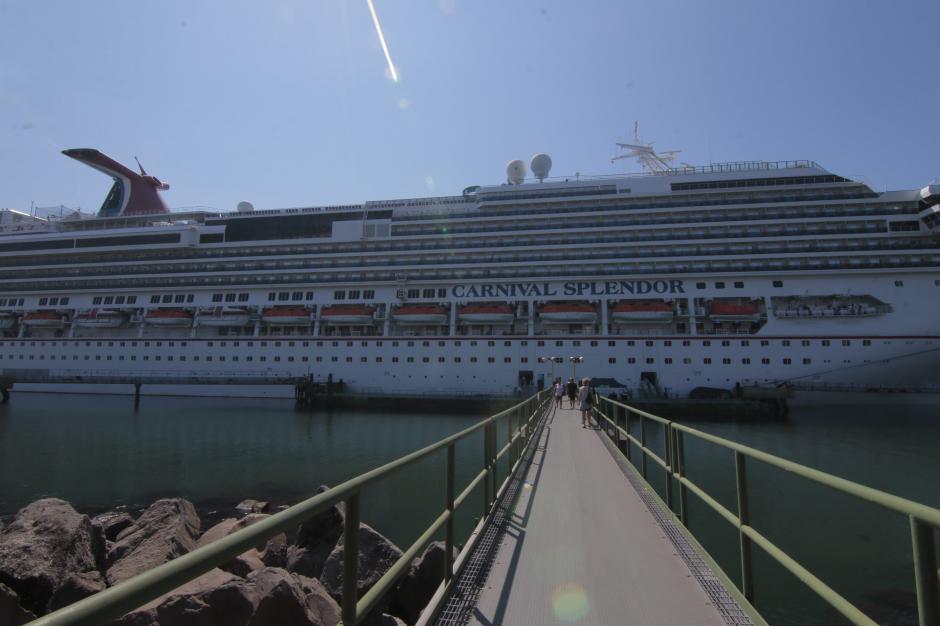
(580, 546)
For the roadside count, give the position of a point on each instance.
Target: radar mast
(651, 160)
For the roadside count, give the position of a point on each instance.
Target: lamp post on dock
(574, 365)
(552, 360)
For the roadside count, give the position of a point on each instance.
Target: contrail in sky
(378, 29)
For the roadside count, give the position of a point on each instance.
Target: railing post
(620, 418)
(643, 444)
(667, 451)
(486, 467)
(350, 560)
(680, 465)
(747, 579)
(925, 573)
(449, 527)
(626, 427)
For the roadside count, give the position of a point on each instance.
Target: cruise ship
(764, 273)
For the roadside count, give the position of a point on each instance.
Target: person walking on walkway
(572, 391)
(559, 390)
(584, 399)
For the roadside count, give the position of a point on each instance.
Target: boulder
(417, 587)
(275, 552)
(216, 598)
(376, 555)
(76, 587)
(112, 523)
(285, 599)
(11, 613)
(45, 543)
(246, 562)
(316, 539)
(167, 529)
(252, 506)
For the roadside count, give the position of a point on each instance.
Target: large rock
(246, 562)
(167, 529)
(286, 599)
(76, 587)
(275, 553)
(45, 543)
(216, 598)
(417, 587)
(112, 523)
(11, 613)
(316, 539)
(252, 506)
(376, 555)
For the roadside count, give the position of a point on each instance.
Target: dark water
(97, 452)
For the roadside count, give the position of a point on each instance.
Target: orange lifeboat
(169, 317)
(733, 312)
(642, 312)
(224, 316)
(44, 319)
(347, 314)
(568, 313)
(288, 316)
(486, 314)
(96, 318)
(420, 314)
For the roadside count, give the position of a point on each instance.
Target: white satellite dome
(541, 165)
(244, 207)
(515, 171)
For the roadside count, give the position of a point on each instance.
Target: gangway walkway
(581, 546)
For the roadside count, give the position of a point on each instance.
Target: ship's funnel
(131, 194)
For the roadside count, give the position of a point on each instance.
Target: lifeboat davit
(347, 314)
(642, 312)
(100, 319)
(169, 317)
(486, 314)
(44, 319)
(224, 316)
(291, 316)
(7, 320)
(568, 313)
(733, 312)
(420, 314)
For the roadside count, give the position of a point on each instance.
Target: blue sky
(290, 103)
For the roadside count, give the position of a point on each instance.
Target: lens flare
(569, 602)
(378, 29)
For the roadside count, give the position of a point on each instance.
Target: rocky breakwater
(51, 556)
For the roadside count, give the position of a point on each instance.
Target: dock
(580, 544)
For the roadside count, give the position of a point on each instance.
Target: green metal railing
(923, 519)
(522, 421)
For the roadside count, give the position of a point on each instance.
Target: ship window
(745, 342)
(786, 342)
(787, 361)
(707, 360)
(441, 292)
(725, 342)
(764, 342)
(427, 293)
(117, 300)
(217, 297)
(746, 361)
(95, 300)
(899, 283)
(700, 285)
(706, 343)
(686, 342)
(846, 342)
(631, 343)
(686, 360)
(559, 344)
(507, 359)
(53, 301)
(354, 294)
(611, 360)
(611, 344)
(167, 298)
(180, 298)
(367, 294)
(43, 301)
(189, 297)
(807, 361)
(297, 295)
(540, 344)
(649, 343)
(765, 361)
(778, 283)
(726, 361)
(132, 299)
(271, 296)
(491, 359)
(524, 359)
(574, 343)
(631, 360)
(866, 342)
(473, 359)
(719, 285)
(394, 359)
(307, 296)
(283, 296)
(378, 359)
(410, 359)
(738, 284)
(339, 295)
(414, 293)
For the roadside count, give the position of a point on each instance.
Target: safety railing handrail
(923, 518)
(115, 601)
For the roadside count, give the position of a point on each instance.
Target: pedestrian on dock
(572, 391)
(559, 389)
(585, 398)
